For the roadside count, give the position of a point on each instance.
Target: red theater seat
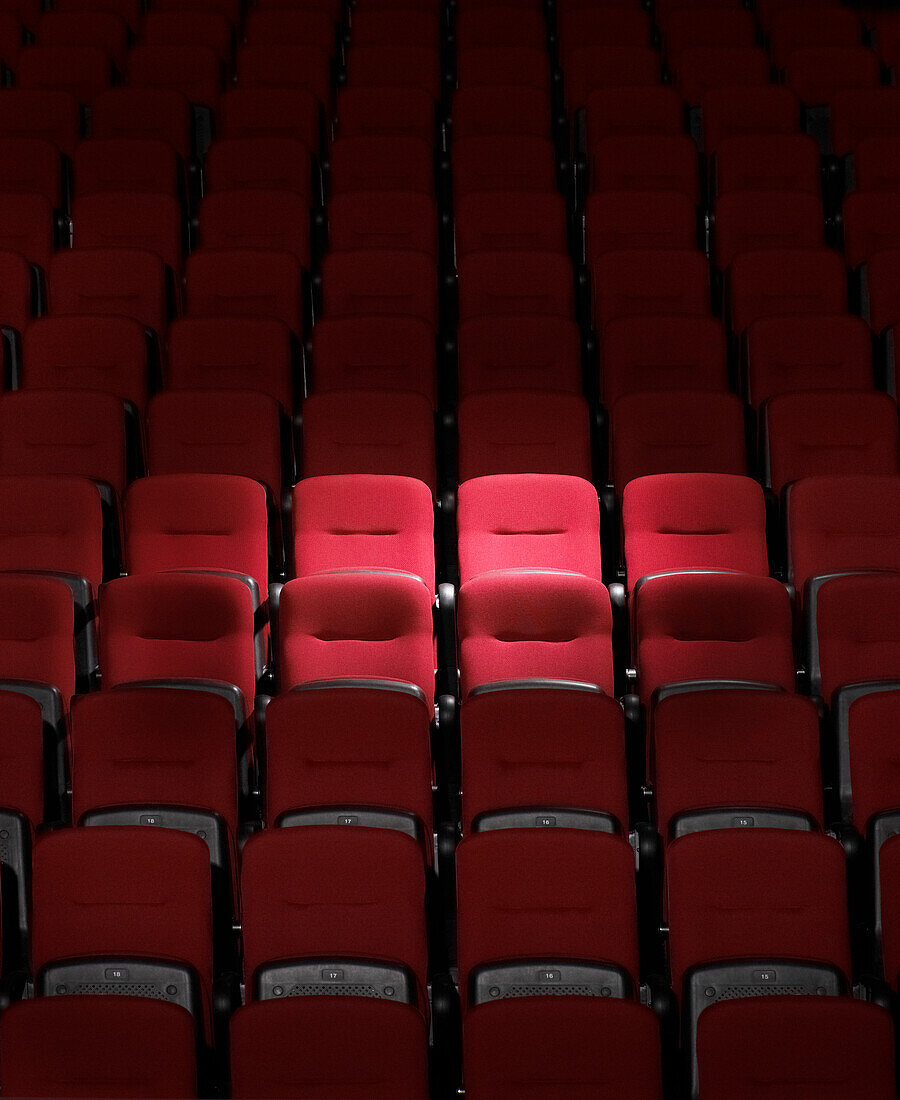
(525, 431)
(707, 627)
(791, 354)
(302, 891)
(515, 776)
(545, 911)
(352, 753)
(781, 282)
(357, 625)
(192, 629)
(98, 1046)
(362, 521)
(346, 1045)
(528, 521)
(644, 354)
(519, 353)
(811, 1048)
(754, 912)
(532, 625)
(735, 757)
(558, 1048)
(121, 282)
(363, 432)
(216, 432)
(831, 432)
(674, 522)
(382, 354)
(228, 353)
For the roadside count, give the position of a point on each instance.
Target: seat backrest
(533, 625)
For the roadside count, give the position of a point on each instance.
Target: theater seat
(162, 755)
(755, 912)
(534, 624)
(124, 911)
(347, 1047)
(840, 524)
(693, 521)
(190, 628)
(516, 521)
(828, 433)
(351, 753)
(803, 1048)
(515, 776)
(93, 1046)
(708, 627)
(302, 893)
(788, 354)
(547, 913)
(561, 1048)
(361, 521)
(735, 758)
(357, 625)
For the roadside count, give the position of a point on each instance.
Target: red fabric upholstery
(829, 433)
(502, 162)
(361, 521)
(357, 625)
(43, 113)
(381, 282)
(756, 894)
(374, 353)
(305, 891)
(545, 894)
(837, 524)
(755, 220)
(537, 521)
(531, 625)
(796, 1048)
(640, 219)
(712, 626)
(519, 353)
(125, 164)
(787, 354)
(197, 521)
(121, 282)
(228, 353)
(216, 432)
(731, 112)
(26, 227)
(125, 891)
(258, 164)
(171, 626)
(346, 1047)
(270, 112)
(63, 432)
(22, 756)
(510, 761)
(158, 113)
(638, 283)
(874, 757)
(764, 162)
(394, 219)
(694, 521)
(108, 354)
(856, 625)
(359, 432)
(515, 283)
(92, 1046)
(51, 523)
(677, 432)
(243, 282)
(646, 162)
(152, 222)
(641, 354)
(561, 1048)
(346, 747)
(528, 221)
(735, 748)
(257, 219)
(785, 283)
(523, 431)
